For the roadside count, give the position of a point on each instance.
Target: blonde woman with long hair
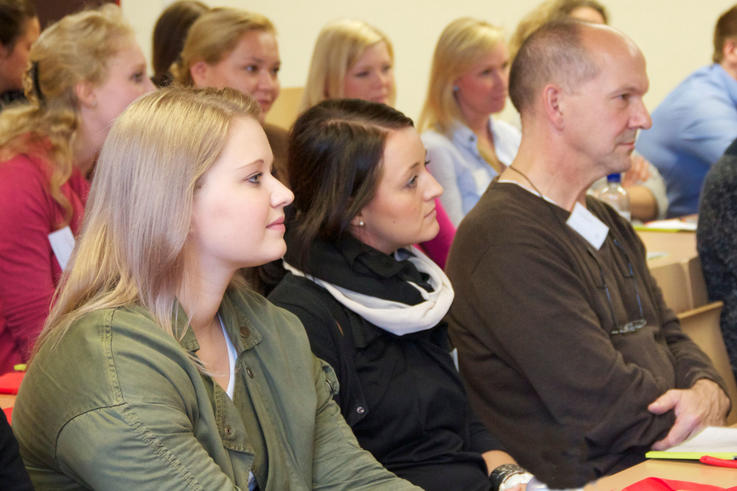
(468, 83)
(351, 59)
(157, 368)
(85, 70)
(228, 47)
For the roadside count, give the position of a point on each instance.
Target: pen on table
(709, 460)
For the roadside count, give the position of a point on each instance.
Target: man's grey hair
(554, 53)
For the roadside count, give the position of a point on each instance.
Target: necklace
(547, 201)
(527, 179)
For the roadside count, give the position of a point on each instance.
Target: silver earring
(361, 223)
(455, 88)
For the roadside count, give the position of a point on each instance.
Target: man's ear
(199, 73)
(85, 93)
(553, 105)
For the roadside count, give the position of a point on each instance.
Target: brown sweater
(533, 326)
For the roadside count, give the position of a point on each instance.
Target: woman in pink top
(84, 70)
(353, 59)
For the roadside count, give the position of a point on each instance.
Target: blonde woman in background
(468, 83)
(157, 368)
(643, 182)
(85, 70)
(351, 59)
(228, 47)
(354, 60)
(549, 10)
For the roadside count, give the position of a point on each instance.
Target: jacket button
(249, 372)
(360, 409)
(228, 430)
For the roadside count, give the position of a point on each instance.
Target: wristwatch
(507, 476)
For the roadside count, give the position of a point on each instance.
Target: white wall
(675, 35)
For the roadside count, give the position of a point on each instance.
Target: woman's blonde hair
(75, 49)
(339, 45)
(461, 44)
(212, 36)
(139, 211)
(548, 11)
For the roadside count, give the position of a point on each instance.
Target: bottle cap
(614, 178)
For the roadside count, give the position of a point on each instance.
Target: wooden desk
(6, 400)
(678, 269)
(677, 470)
(677, 246)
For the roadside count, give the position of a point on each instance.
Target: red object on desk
(706, 459)
(659, 484)
(10, 382)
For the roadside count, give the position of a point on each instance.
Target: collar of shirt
(242, 332)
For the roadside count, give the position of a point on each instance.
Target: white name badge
(585, 223)
(62, 243)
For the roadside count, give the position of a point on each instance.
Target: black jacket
(401, 394)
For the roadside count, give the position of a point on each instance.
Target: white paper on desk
(711, 439)
(62, 243)
(670, 224)
(655, 255)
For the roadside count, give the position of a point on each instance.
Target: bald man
(568, 350)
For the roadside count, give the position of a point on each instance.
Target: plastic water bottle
(616, 196)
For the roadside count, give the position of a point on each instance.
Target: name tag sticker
(62, 243)
(585, 223)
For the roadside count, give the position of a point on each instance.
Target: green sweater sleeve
(151, 450)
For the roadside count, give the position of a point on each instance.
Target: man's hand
(704, 404)
(638, 172)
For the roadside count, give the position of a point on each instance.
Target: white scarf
(396, 317)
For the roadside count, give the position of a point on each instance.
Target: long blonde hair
(339, 45)
(75, 49)
(460, 45)
(139, 211)
(212, 36)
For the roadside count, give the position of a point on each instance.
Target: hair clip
(36, 84)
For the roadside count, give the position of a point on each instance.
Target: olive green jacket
(118, 404)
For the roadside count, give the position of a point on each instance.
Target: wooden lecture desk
(7, 400)
(674, 263)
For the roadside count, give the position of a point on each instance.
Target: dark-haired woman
(19, 29)
(372, 304)
(169, 34)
